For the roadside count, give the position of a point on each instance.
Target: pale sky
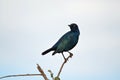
(28, 27)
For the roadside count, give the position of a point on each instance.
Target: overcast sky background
(28, 27)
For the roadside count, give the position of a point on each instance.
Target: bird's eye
(74, 25)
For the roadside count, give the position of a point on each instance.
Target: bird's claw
(71, 54)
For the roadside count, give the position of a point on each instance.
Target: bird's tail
(45, 52)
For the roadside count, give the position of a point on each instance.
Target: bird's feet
(64, 57)
(71, 54)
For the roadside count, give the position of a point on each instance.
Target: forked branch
(18, 75)
(65, 60)
(42, 72)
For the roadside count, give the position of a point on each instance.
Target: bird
(67, 42)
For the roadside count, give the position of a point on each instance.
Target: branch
(42, 72)
(39, 69)
(20, 75)
(51, 74)
(65, 60)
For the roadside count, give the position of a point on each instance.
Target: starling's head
(73, 27)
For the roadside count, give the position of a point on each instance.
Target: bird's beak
(69, 25)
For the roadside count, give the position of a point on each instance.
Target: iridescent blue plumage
(66, 42)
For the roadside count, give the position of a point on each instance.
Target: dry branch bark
(65, 60)
(42, 72)
(20, 75)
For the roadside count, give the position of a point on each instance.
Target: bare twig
(39, 69)
(42, 72)
(20, 75)
(65, 60)
(51, 74)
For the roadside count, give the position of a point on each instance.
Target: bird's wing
(65, 42)
(61, 40)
